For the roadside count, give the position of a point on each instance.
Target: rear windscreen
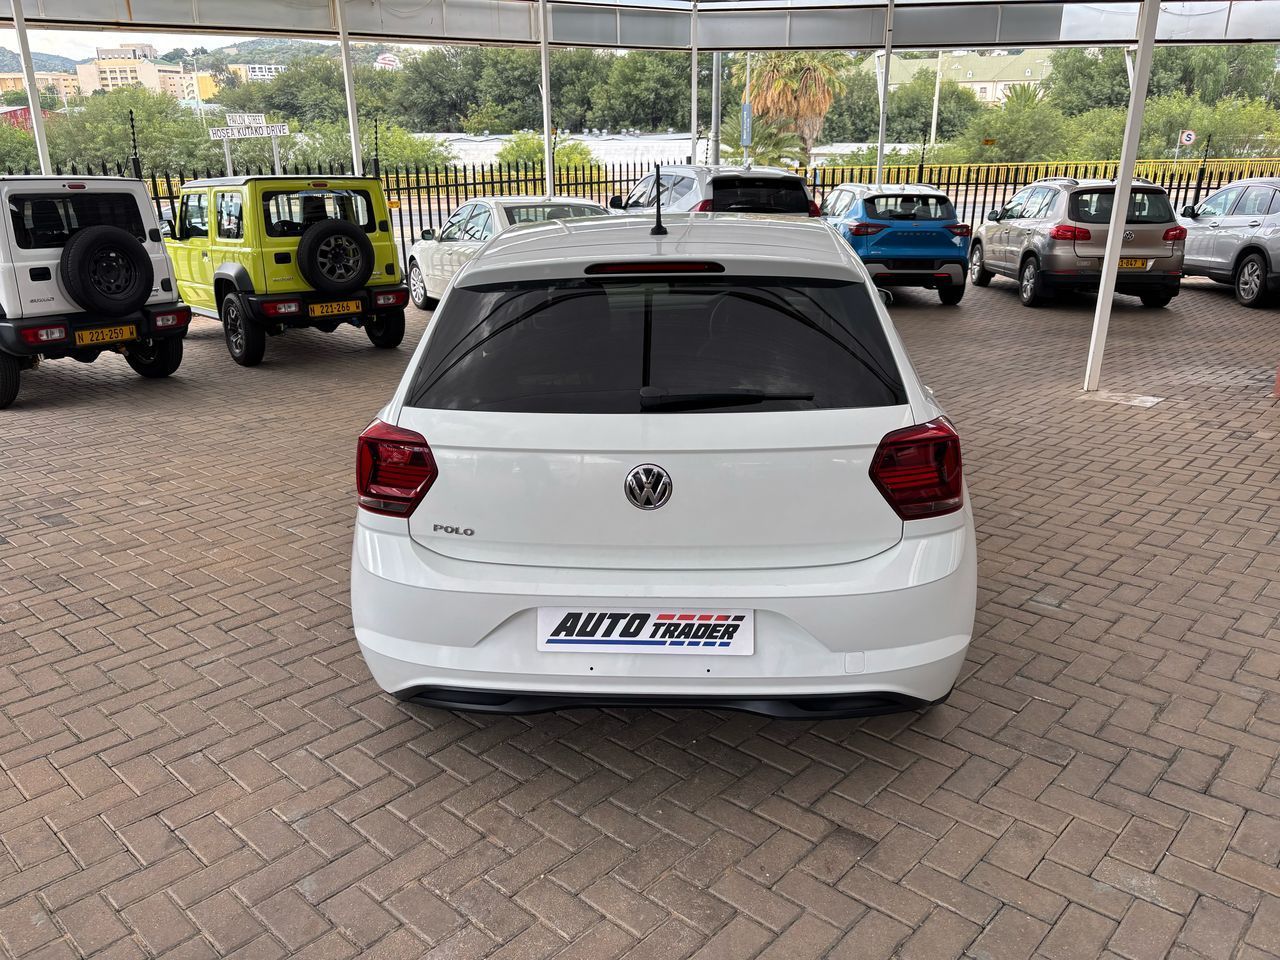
(48, 220)
(909, 207)
(288, 212)
(538, 212)
(759, 195)
(1145, 206)
(592, 345)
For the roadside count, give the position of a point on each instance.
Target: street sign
(1186, 138)
(246, 119)
(746, 125)
(249, 132)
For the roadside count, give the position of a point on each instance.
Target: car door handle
(1213, 223)
(1255, 223)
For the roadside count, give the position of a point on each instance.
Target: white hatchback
(691, 469)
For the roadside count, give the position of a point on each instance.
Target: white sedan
(687, 469)
(437, 255)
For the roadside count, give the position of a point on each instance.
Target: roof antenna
(658, 229)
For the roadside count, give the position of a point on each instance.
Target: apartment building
(252, 72)
(65, 84)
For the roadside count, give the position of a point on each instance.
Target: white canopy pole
(544, 48)
(33, 92)
(693, 85)
(1147, 18)
(937, 93)
(349, 83)
(716, 66)
(884, 90)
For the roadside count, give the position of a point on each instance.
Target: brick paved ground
(194, 761)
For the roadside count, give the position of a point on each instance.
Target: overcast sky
(78, 44)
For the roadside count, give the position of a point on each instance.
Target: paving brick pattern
(195, 763)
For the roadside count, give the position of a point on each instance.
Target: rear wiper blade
(657, 398)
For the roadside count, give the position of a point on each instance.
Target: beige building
(66, 84)
(130, 51)
(115, 72)
(251, 72)
(989, 76)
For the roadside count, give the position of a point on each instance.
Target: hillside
(10, 62)
(283, 51)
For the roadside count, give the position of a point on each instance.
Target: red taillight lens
(865, 229)
(281, 308)
(657, 266)
(394, 469)
(1064, 231)
(1174, 234)
(393, 298)
(38, 336)
(918, 470)
(704, 206)
(171, 318)
(814, 209)
(961, 229)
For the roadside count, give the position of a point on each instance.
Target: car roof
(66, 178)
(536, 200)
(1253, 181)
(718, 170)
(256, 178)
(889, 189)
(746, 244)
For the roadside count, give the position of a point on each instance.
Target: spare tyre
(106, 270)
(335, 256)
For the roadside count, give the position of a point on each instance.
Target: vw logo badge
(648, 486)
(1128, 236)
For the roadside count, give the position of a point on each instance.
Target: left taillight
(704, 206)
(38, 336)
(394, 469)
(918, 470)
(960, 229)
(814, 209)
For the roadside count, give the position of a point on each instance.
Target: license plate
(679, 630)
(341, 308)
(90, 338)
(1130, 263)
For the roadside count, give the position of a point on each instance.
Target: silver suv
(1233, 236)
(719, 189)
(1052, 235)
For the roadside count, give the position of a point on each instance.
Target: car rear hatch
(745, 193)
(1150, 216)
(761, 400)
(909, 231)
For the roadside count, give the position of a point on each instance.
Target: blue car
(908, 235)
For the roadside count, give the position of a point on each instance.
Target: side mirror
(1189, 211)
(615, 203)
(428, 234)
(885, 296)
(993, 215)
(166, 229)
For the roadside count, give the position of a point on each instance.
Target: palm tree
(771, 143)
(796, 88)
(1019, 96)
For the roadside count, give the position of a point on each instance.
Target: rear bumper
(144, 320)
(1129, 283)
(884, 634)
(261, 305)
(940, 274)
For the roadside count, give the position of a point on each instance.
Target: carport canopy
(698, 26)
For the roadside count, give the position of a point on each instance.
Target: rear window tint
(589, 345)
(909, 207)
(46, 221)
(759, 195)
(289, 212)
(538, 212)
(1145, 206)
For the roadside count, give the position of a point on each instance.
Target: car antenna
(658, 229)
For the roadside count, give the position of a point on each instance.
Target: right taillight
(1174, 234)
(704, 206)
(1064, 231)
(918, 470)
(865, 229)
(394, 469)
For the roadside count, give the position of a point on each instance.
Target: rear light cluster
(168, 319)
(960, 229)
(38, 336)
(392, 298)
(1174, 234)
(865, 229)
(918, 470)
(1064, 231)
(281, 308)
(394, 469)
(704, 206)
(814, 209)
(657, 266)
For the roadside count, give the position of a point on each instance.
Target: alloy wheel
(417, 287)
(975, 264)
(1249, 283)
(235, 327)
(338, 258)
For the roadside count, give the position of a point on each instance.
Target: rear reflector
(1175, 233)
(1065, 231)
(658, 266)
(918, 470)
(394, 469)
(960, 229)
(281, 308)
(35, 336)
(865, 229)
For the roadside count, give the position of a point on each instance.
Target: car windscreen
(908, 206)
(740, 194)
(1145, 206)
(592, 345)
(286, 213)
(43, 220)
(538, 212)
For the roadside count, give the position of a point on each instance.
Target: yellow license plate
(1131, 263)
(342, 308)
(99, 335)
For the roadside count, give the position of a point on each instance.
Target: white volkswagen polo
(684, 469)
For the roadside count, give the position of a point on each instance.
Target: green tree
(17, 149)
(645, 89)
(798, 88)
(527, 148)
(437, 88)
(855, 114)
(97, 129)
(1023, 130)
(911, 109)
(772, 144)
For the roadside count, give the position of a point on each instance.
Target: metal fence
(423, 197)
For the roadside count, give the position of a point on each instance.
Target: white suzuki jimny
(83, 269)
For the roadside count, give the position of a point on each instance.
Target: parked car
(267, 254)
(1233, 236)
(907, 235)
(1051, 236)
(722, 189)
(437, 255)
(627, 470)
(82, 272)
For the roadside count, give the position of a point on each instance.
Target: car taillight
(704, 206)
(814, 209)
(918, 470)
(1064, 231)
(392, 298)
(1174, 234)
(394, 469)
(171, 318)
(865, 229)
(281, 308)
(36, 336)
(960, 229)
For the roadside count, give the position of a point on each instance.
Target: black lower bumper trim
(814, 707)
